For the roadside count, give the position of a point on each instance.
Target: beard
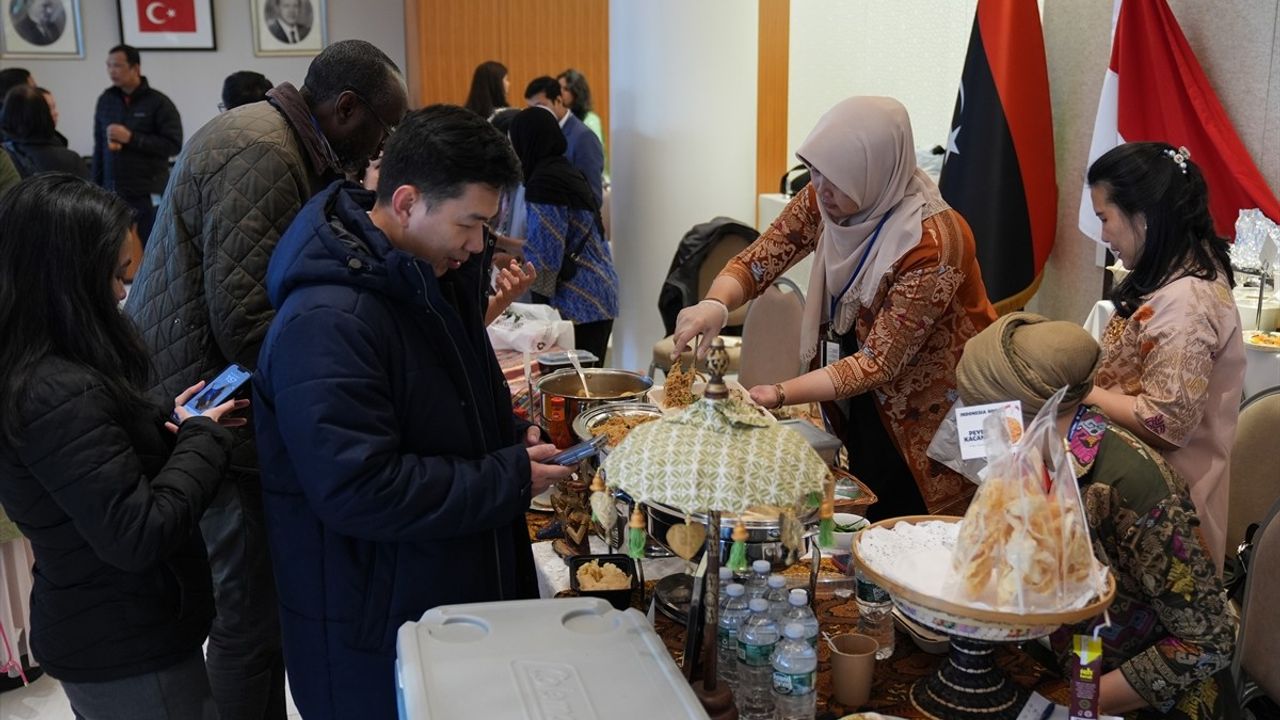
(351, 161)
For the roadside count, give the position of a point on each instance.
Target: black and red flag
(998, 171)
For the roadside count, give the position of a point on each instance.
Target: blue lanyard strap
(835, 299)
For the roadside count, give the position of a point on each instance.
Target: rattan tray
(963, 620)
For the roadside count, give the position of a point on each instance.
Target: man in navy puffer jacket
(395, 476)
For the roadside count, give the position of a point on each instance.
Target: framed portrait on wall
(288, 27)
(41, 29)
(167, 24)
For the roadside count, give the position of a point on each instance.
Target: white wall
(193, 79)
(912, 50)
(682, 142)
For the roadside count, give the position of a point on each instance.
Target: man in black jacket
(135, 132)
(396, 477)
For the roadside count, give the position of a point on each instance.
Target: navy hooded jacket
(393, 475)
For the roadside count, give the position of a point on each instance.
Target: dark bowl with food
(619, 597)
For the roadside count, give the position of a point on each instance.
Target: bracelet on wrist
(782, 396)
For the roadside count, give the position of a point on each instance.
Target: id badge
(830, 352)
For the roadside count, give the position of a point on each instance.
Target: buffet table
(893, 677)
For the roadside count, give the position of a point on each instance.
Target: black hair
(487, 93)
(11, 78)
(131, 54)
(442, 148)
(26, 114)
(60, 240)
(1144, 177)
(352, 64)
(545, 85)
(577, 84)
(502, 118)
(244, 87)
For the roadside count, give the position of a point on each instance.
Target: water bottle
(798, 611)
(732, 614)
(756, 640)
(777, 597)
(726, 577)
(875, 614)
(758, 583)
(795, 674)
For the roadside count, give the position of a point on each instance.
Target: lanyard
(835, 299)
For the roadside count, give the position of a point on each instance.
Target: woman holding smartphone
(106, 487)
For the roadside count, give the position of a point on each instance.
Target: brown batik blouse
(910, 337)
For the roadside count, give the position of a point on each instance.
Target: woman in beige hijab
(894, 294)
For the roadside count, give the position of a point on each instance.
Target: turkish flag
(166, 16)
(999, 171)
(1155, 90)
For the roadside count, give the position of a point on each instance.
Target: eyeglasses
(387, 130)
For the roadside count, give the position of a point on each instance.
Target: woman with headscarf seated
(1172, 628)
(564, 235)
(894, 294)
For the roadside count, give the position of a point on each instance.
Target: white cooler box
(538, 660)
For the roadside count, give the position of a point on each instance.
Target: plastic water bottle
(875, 614)
(798, 611)
(726, 577)
(777, 597)
(732, 615)
(795, 674)
(756, 640)
(758, 583)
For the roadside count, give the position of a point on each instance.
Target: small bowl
(620, 599)
(843, 540)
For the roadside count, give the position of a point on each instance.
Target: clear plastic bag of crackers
(1024, 545)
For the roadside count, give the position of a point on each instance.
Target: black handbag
(569, 265)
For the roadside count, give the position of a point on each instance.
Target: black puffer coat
(110, 500)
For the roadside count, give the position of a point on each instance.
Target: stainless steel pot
(764, 537)
(606, 385)
(583, 424)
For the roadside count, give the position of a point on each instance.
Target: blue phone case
(228, 382)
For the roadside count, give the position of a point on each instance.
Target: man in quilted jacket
(200, 301)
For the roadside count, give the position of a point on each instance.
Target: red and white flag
(166, 16)
(1155, 91)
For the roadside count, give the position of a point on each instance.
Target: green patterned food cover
(722, 455)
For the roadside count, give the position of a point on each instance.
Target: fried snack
(617, 427)
(1019, 546)
(594, 576)
(1015, 429)
(679, 387)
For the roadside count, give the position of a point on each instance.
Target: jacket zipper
(497, 555)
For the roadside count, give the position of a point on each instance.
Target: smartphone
(219, 389)
(577, 453)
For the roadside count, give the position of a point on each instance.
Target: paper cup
(853, 662)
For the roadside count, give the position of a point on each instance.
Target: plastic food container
(621, 598)
(562, 658)
(549, 362)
